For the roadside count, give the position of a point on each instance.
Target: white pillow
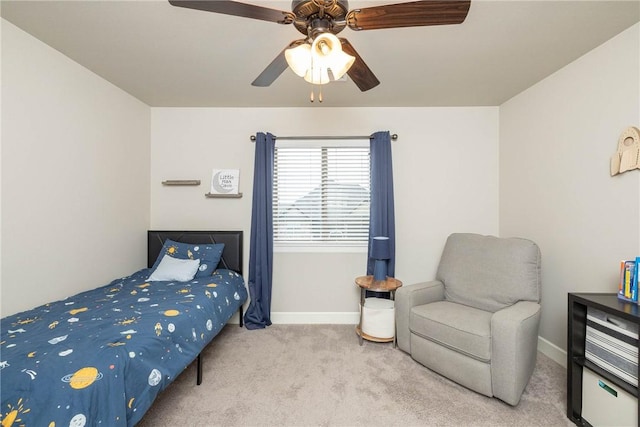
(170, 268)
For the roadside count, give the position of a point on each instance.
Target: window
(321, 193)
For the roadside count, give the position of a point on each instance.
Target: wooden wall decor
(627, 157)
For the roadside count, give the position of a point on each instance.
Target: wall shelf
(181, 182)
(223, 196)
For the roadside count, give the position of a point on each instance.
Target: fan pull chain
(312, 86)
(320, 87)
(311, 98)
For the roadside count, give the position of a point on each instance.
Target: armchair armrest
(514, 343)
(408, 297)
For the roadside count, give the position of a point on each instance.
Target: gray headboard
(231, 256)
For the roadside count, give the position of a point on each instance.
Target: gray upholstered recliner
(477, 323)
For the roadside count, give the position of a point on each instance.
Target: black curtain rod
(302, 138)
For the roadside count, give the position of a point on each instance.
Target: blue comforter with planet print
(101, 357)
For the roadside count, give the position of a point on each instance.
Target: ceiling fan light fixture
(328, 61)
(325, 45)
(326, 72)
(318, 76)
(299, 58)
(321, 62)
(339, 63)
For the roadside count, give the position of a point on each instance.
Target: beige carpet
(318, 375)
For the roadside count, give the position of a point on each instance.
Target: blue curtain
(382, 217)
(258, 314)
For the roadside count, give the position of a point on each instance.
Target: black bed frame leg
(199, 362)
(199, 376)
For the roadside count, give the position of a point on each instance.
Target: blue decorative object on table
(380, 252)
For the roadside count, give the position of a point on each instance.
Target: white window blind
(321, 194)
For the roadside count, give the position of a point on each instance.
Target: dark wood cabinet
(576, 337)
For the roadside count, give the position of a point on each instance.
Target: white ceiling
(169, 56)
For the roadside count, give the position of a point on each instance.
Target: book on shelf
(629, 280)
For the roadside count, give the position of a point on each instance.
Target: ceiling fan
(321, 20)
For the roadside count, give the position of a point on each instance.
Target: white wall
(1, 23)
(556, 139)
(75, 176)
(446, 180)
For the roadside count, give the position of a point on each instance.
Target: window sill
(318, 249)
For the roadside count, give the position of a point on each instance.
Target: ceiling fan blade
(413, 14)
(359, 72)
(277, 67)
(235, 8)
(272, 72)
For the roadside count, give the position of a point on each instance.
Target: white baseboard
(329, 317)
(552, 351)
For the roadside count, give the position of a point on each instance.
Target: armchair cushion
(459, 327)
(489, 273)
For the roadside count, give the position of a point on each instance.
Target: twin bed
(102, 356)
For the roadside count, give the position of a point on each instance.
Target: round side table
(367, 283)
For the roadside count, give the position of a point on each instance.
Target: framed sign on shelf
(225, 182)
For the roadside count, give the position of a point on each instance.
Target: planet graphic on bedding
(82, 378)
(78, 420)
(155, 377)
(171, 313)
